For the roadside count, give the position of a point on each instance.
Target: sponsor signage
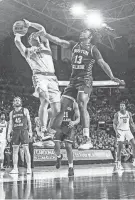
(41, 154)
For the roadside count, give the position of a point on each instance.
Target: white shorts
(125, 135)
(2, 148)
(47, 84)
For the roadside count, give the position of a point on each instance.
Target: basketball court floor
(97, 181)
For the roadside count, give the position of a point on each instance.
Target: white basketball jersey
(3, 129)
(123, 121)
(40, 59)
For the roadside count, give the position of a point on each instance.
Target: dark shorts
(66, 135)
(84, 85)
(20, 137)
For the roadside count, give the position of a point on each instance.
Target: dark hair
(96, 36)
(122, 102)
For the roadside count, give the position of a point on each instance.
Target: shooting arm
(19, 45)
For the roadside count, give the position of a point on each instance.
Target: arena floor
(97, 181)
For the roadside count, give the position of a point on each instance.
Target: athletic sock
(70, 165)
(86, 132)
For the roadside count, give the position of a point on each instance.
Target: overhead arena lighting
(94, 19)
(78, 10)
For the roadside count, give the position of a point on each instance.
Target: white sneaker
(29, 171)
(14, 171)
(47, 136)
(119, 166)
(86, 144)
(134, 163)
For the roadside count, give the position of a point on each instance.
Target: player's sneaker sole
(58, 162)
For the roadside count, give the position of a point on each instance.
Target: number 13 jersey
(82, 61)
(123, 121)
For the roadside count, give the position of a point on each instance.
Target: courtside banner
(41, 154)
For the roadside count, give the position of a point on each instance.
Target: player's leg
(67, 99)
(83, 99)
(15, 145)
(130, 138)
(120, 141)
(25, 141)
(56, 125)
(69, 139)
(40, 83)
(43, 115)
(3, 146)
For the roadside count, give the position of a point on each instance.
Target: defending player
(39, 58)
(71, 118)
(3, 137)
(122, 123)
(20, 126)
(84, 55)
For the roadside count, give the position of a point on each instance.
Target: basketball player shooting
(84, 55)
(39, 58)
(122, 123)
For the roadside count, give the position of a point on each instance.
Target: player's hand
(121, 82)
(71, 124)
(27, 23)
(118, 135)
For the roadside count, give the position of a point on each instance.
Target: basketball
(20, 27)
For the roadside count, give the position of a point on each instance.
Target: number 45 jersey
(19, 120)
(82, 62)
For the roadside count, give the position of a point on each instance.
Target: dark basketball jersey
(82, 61)
(19, 119)
(68, 115)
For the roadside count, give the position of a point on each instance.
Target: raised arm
(10, 126)
(99, 59)
(20, 45)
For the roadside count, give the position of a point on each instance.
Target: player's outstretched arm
(57, 40)
(99, 59)
(20, 45)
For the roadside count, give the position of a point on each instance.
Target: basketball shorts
(2, 148)
(20, 137)
(124, 135)
(47, 84)
(78, 85)
(66, 134)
